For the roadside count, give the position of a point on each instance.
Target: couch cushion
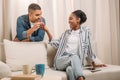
(4, 70)
(111, 72)
(51, 74)
(20, 53)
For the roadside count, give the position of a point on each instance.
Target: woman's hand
(47, 31)
(98, 65)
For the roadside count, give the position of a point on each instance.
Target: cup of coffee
(40, 69)
(27, 69)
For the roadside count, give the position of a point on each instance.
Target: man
(29, 25)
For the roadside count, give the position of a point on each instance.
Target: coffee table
(24, 77)
(5, 79)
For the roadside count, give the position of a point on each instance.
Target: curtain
(0, 26)
(115, 33)
(102, 19)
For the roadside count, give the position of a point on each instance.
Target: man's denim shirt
(23, 24)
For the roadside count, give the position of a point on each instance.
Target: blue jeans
(72, 65)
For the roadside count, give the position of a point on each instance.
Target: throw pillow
(22, 53)
(4, 70)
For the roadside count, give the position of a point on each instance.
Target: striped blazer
(85, 48)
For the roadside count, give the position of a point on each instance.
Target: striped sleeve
(90, 53)
(54, 43)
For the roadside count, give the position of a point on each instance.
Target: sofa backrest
(50, 50)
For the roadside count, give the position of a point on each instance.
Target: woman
(73, 46)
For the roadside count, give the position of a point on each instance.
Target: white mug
(27, 69)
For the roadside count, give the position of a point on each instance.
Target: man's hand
(42, 26)
(36, 25)
(34, 28)
(39, 24)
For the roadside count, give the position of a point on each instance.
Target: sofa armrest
(4, 70)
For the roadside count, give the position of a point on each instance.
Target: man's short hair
(33, 7)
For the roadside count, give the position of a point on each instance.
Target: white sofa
(19, 53)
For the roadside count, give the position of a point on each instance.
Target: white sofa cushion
(20, 53)
(4, 70)
(111, 72)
